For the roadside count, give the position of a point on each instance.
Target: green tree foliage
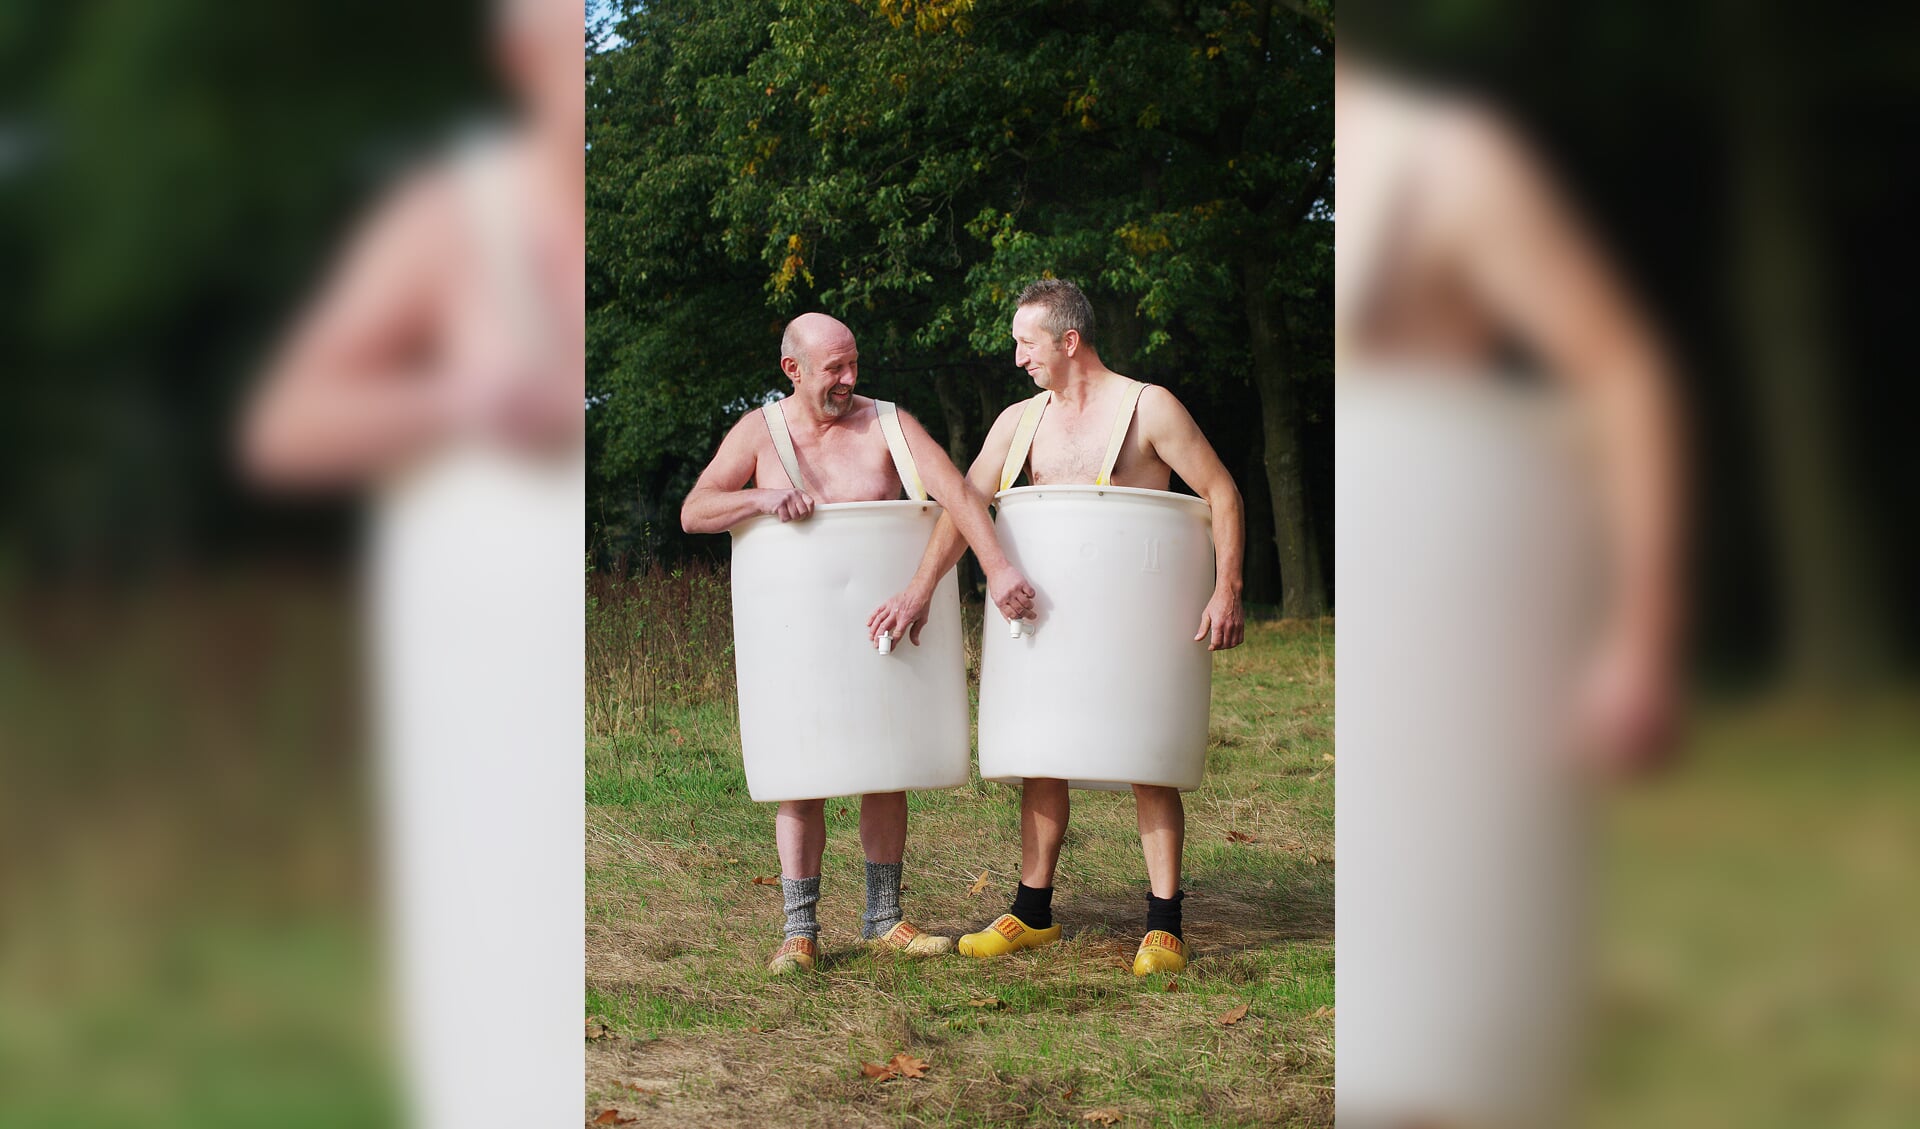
(173, 177)
(908, 165)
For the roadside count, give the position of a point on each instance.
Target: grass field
(686, 1028)
(1760, 930)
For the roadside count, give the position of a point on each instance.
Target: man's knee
(803, 809)
(1158, 794)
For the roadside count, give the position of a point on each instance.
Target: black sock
(1164, 913)
(1033, 907)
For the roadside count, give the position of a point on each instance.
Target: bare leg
(800, 833)
(1163, 831)
(1043, 825)
(883, 826)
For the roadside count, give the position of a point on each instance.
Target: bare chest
(1069, 452)
(849, 468)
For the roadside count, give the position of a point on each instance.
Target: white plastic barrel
(1465, 511)
(822, 712)
(1107, 688)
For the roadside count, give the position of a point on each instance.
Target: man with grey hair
(1084, 403)
(838, 445)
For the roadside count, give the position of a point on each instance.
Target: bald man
(843, 456)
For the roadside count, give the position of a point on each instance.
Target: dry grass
(656, 636)
(677, 932)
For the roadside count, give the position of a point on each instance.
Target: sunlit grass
(677, 933)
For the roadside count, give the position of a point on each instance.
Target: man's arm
(351, 392)
(1524, 254)
(965, 508)
(1169, 429)
(949, 543)
(720, 499)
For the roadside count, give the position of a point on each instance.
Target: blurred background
(186, 892)
(184, 921)
(1744, 169)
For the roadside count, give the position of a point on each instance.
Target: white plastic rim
(1106, 688)
(822, 711)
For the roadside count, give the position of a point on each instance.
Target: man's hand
(1012, 594)
(901, 617)
(1223, 625)
(787, 505)
(1629, 714)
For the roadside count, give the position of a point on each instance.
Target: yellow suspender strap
(783, 443)
(1023, 439)
(1114, 441)
(902, 455)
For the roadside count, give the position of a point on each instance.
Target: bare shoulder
(1477, 162)
(749, 431)
(909, 421)
(414, 222)
(1159, 407)
(1009, 416)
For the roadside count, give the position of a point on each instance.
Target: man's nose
(1020, 358)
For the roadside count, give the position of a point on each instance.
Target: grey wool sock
(883, 899)
(802, 894)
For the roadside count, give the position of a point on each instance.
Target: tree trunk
(1303, 591)
(1262, 578)
(1837, 635)
(960, 446)
(990, 406)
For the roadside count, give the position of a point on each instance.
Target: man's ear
(791, 366)
(1070, 341)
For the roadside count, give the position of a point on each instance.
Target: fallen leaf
(1323, 1013)
(1315, 776)
(765, 880)
(1328, 757)
(612, 1117)
(979, 884)
(908, 1066)
(1234, 1016)
(1068, 1096)
(638, 1088)
(730, 862)
(1103, 1116)
(597, 1029)
(1172, 986)
(985, 1001)
(757, 1030)
(1240, 837)
(843, 811)
(677, 739)
(875, 1071)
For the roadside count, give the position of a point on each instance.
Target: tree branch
(1316, 186)
(1318, 22)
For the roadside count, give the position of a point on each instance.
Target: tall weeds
(664, 634)
(657, 635)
